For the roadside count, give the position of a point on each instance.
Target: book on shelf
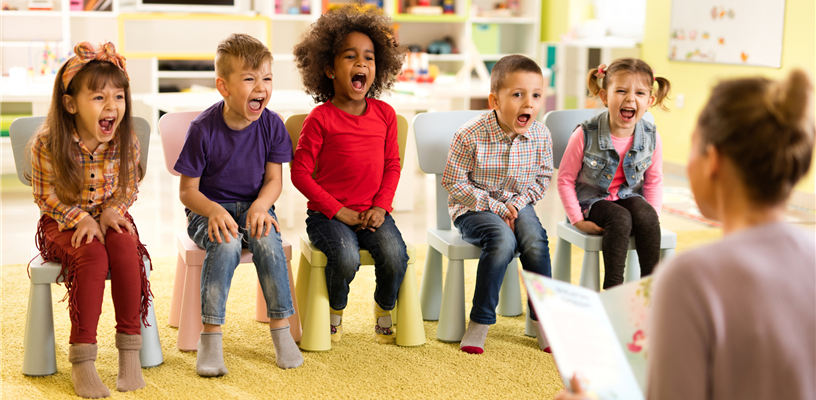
(601, 337)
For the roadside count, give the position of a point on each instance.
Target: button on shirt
(100, 172)
(487, 170)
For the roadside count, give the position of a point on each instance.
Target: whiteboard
(744, 32)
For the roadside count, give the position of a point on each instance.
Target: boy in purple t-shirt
(230, 169)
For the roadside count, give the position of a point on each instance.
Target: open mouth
(256, 104)
(627, 114)
(523, 119)
(106, 125)
(358, 82)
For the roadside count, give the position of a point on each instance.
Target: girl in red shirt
(347, 159)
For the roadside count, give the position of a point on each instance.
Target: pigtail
(594, 78)
(663, 88)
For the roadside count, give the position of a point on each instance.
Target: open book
(600, 336)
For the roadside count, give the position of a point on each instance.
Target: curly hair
(321, 43)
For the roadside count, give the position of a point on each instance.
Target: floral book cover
(598, 336)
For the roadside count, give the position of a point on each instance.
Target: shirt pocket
(592, 168)
(111, 173)
(491, 168)
(642, 165)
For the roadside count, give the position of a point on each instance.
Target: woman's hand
(577, 392)
(589, 227)
(86, 227)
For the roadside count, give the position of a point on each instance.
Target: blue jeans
(222, 259)
(342, 248)
(499, 244)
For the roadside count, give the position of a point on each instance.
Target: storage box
(487, 38)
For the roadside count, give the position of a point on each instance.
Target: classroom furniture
(434, 132)
(39, 349)
(313, 296)
(185, 303)
(561, 125)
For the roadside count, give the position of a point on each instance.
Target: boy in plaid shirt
(499, 165)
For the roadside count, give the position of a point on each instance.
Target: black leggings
(620, 219)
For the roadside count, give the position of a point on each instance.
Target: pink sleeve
(653, 178)
(308, 148)
(391, 173)
(571, 164)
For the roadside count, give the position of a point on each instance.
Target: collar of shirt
(99, 149)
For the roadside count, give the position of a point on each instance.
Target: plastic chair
(434, 133)
(561, 125)
(313, 296)
(39, 352)
(185, 304)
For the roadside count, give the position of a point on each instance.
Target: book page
(627, 307)
(581, 338)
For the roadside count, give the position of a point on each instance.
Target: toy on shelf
(418, 69)
(508, 8)
(448, 7)
(41, 5)
(444, 46)
(424, 7)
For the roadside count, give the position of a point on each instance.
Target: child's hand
(589, 227)
(221, 220)
(257, 219)
(111, 219)
(348, 217)
(577, 391)
(86, 227)
(511, 220)
(372, 218)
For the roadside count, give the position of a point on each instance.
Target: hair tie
(86, 53)
(601, 71)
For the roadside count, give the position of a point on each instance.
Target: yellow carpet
(357, 367)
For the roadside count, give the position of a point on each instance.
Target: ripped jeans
(222, 259)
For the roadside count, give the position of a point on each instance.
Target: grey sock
(540, 336)
(474, 339)
(384, 322)
(210, 358)
(287, 354)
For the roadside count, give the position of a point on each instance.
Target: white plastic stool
(39, 349)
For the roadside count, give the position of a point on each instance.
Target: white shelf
(28, 43)
(30, 13)
(446, 57)
(93, 14)
(503, 20)
(291, 17)
(186, 74)
(496, 57)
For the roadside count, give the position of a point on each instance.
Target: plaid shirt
(487, 170)
(99, 185)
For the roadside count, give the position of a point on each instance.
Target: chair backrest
(434, 132)
(562, 123)
(22, 129)
(173, 131)
(294, 124)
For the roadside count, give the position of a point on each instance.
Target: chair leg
(590, 271)
(510, 292)
(190, 325)
(430, 294)
(178, 292)
(632, 272)
(302, 288)
(316, 333)
(452, 313)
(150, 354)
(666, 254)
(563, 261)
(529, 329)
(411, 331)
(39, 346)
(260, 307)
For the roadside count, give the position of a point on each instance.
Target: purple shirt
(230, 163)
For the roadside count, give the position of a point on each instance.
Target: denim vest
(601, 161)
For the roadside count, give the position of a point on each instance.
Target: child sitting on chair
(499, 165)
(347, 160)
(230, 169)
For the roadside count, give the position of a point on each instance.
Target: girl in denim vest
(610, 179)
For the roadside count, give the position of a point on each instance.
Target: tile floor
(160, 216)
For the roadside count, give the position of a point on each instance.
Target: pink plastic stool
(185, 305)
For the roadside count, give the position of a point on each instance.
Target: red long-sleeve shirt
(355, 159)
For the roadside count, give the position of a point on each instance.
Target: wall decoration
(743, 32)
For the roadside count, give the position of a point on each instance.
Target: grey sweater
(737, 319)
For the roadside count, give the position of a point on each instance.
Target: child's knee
(225, 247)
(501, 242)
(121, 241)
(346, 260)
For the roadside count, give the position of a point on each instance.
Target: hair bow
(86, 53)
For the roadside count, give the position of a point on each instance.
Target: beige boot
(130, 367)
(83, 372)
